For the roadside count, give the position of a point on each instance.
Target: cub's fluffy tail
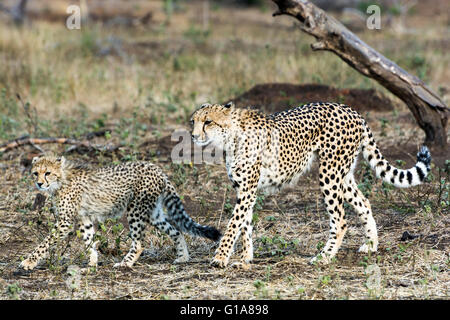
(177, 214)
(398, 177)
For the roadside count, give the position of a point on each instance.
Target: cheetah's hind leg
(355, 197)
(137, 219)
(159, 219)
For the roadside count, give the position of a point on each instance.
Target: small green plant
(261, 290)
(110, 229)
(197, 35)
(301, 292)
(367, 179)
(384, 124)
(400, 163)
(88, 42)
(320, 245)
(257, 207)
(13, 291)
(268, 269)
(324, 280)
(228, 207)
(275, 246)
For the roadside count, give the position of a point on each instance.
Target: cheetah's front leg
(240, 222)
(62, 230)
(63, 226)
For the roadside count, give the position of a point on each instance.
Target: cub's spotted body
(267, 152)
(140, 189)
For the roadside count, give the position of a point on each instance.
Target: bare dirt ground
(289, 228)
(412, 261)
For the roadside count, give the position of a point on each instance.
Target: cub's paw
(241, 265)
(28, 264)
(122, 265)
(366, 247)
(181, 259)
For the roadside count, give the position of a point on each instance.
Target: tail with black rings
(400, 178)
(178, 215)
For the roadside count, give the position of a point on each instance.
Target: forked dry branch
(430, 112)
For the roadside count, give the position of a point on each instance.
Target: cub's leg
(137, 216)
(159, 220)
(63, 226)
(362, 207)
(87, 232)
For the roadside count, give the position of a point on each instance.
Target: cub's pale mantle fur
(266, 152)
(140, 189)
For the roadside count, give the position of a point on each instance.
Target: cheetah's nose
(39, 184)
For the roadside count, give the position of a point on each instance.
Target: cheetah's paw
(28, 264)
(219, 261)
(366, 247)
(181, 259)
(241, 265)
(123, 265)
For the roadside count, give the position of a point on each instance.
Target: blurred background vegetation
(152, 62)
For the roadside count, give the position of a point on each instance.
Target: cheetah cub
(267, 152)
(140, 189)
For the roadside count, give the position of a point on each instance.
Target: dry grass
(143, 82)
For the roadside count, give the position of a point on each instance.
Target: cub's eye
(47, 173)
(35, 173)
(208, 122)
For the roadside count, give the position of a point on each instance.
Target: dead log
(37, 141)
(428, 109)
(17, 12)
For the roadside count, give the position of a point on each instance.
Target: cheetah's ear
(229, 105)
(35, 159)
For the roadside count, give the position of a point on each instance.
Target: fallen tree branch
(26, 140)
(428, 109)
(17, 12)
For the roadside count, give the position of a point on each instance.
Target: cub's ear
(61, 160)
(35, 159)
(229, 105)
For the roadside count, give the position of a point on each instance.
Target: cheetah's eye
(208, 122)
(35, 173)
(192, 122)
(47, 173)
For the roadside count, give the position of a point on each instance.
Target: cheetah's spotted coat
(269, 151)
(140, 189)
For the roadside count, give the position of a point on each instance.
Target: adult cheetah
(266, 152)
(140, 189)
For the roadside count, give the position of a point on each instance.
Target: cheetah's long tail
(401, 178)
(183, 221)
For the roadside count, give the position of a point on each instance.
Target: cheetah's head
(211, 124)
(48, 172)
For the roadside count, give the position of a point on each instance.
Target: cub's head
(211, 124)
(48, 172)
